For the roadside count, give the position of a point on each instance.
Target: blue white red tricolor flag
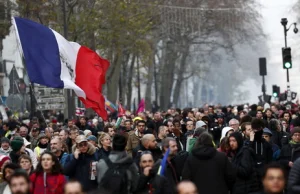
(53, 61)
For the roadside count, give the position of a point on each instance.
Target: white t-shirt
(7, 190)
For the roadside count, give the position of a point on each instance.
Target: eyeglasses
(83, 144)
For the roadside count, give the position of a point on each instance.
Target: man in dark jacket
(291, 152)
(148, 143)
(119, 156)
(150, 181)
(278, 135)
(210, 170)
(82, 163)
(294, 178)
(262, 149)
(244, 162)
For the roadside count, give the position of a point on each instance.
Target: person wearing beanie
(3, 161)
(18, 148)
(291, 152)
(118, 155)
(5, 146)
(42, 145)
(267, 135)
(243, 161)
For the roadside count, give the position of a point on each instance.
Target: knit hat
(3, 159)
(5, 139)
(92, 138)
(267, 132)
(119, 142)
(295, 130)
(17, 143)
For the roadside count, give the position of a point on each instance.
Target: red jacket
(54, 184)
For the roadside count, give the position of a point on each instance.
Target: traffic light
(276, 90)
(287, 58)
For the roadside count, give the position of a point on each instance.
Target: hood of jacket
(204, 152)
(91, 149)
(120, 157)
(225, 131)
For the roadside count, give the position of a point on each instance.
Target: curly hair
(56, 168)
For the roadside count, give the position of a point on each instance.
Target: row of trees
(156, 46)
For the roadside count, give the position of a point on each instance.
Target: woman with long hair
(105, 143)
(48, 177)
(26, 163)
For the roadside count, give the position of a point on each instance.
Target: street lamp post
(284, 23)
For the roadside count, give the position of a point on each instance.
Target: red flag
(90, 76)
(121, 110)
(141, 107)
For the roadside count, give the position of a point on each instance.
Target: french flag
(53, 61)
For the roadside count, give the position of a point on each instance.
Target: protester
(234, 124)
(8, 170)
(48, 177)
(134, 138)
(244, 162)
(19, 183)
(93, 140)
(279, 137)
(291, 152)
(82, 163)
(148, 143)
(267, 135)
(105, 143)
(205, 160)
(186, 187)
(150, 181)
(5, 146)
(18, 148)
(26, 164)
(56, 148)
(34, 136)
(73, 187)
(273, 180)
(42, 145)
(111, 179)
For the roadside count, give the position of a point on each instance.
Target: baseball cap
(80, 138)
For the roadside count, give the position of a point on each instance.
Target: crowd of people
(209, 150)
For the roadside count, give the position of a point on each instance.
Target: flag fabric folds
(163, 164)
(53, 61)
(110, 106)
(141, 107)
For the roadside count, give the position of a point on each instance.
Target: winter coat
(154, 184)
(294, 178)
(119, 157)
(64, 159)
(246, 179)
(278, 137)
(263, 154)
(80, 169)
(210, 170)
(54, 183)
(290, 152)
(103, 153)
(132, 142)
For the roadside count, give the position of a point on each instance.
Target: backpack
(115, 179)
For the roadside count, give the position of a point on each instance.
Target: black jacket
(154, 184)
(80, 169)
(156, 153)
(279, 137)
(289, 152)
(294, 178)
(246, 180)
(210, 170)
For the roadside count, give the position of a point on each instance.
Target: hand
(291, 164)
(252, 134)
(147, 171)
(76, 153)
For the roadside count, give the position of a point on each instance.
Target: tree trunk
(129, 82)
(148, 96)
(180, 74)
(167, 76)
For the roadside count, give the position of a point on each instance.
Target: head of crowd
(209, 150)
